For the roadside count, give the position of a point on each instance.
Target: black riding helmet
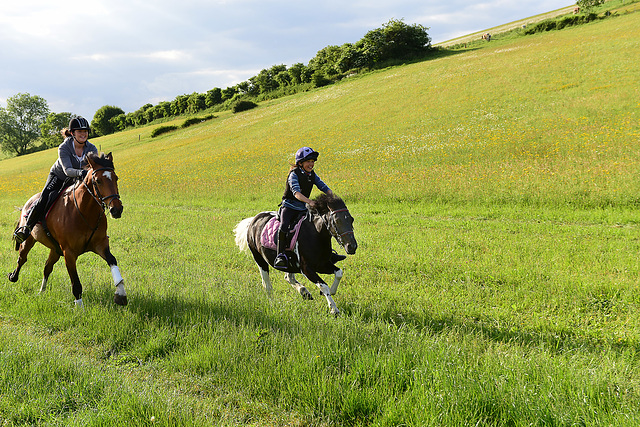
(78, 123)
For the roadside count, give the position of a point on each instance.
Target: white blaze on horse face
(107, 174)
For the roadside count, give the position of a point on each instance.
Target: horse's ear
(91, 161)
(110, 157)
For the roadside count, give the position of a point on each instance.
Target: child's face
(307, 165)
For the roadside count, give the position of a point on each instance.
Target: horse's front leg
(291, 278)
(48, 268)
(337, 275)
(120, 296)
(324, 289)
(76, 287)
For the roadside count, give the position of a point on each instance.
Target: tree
(101, 123)
(213, 97)
(20, 122)
(196, 102)
(52, 127)
(589, 4)
(395, 40)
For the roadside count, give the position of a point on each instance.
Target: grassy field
(496, 200)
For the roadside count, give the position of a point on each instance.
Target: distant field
(496, 195)
(507, 27)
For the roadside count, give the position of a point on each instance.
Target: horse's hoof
(13, 277)
(306, 295)
(120, 299)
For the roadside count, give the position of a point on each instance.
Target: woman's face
(81, 135)
(308, 165)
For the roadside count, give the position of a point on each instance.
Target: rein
(101, 201)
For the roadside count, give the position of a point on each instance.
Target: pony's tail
(241, 231)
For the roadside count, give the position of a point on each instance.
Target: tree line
(27, 125)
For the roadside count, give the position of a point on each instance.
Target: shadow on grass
(553, 340)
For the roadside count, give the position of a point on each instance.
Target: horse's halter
(102, 201)
(333, 227)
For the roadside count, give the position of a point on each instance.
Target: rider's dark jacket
(303, 182)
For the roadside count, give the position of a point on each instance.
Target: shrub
(162, 129)
(196, 120)
(243, 105)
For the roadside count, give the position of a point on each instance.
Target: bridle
(104, 202)
(333, 228)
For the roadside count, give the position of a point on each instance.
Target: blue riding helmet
(306, 153)
(78, 123)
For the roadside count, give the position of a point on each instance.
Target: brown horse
(76, 223)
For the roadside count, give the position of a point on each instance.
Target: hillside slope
(546, 112)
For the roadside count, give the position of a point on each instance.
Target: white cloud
(81, 55)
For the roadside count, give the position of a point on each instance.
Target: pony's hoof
(120, 299)
(13, 277)
(306, 295)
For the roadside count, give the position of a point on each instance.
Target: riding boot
(22, 233)
(281, 262)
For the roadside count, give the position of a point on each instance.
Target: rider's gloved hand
(83, 174)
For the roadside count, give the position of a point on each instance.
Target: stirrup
(281, 262)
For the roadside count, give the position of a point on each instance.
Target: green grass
(495, 194)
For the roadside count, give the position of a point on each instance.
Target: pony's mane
(323, 202)
(101, 160)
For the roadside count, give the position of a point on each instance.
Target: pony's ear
(110, 157)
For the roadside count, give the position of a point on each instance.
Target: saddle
(43, 221)
(269, 235)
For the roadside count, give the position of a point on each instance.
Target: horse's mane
(323, 202)
(101, 160)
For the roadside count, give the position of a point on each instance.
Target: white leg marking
(291, 278)
(266, 282)
(79, 303)
(118, 280)
(117, 277)
(43, 287)
(336, 281)
(324, 290)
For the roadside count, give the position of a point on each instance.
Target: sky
(82, 55)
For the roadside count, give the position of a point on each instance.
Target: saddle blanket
(270, 231)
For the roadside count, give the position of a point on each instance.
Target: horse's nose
(116, 211)
(351, 247)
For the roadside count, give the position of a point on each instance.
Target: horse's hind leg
(23, 251)
(291, 278)
(48, 268)
(264, 271)
(76, 286)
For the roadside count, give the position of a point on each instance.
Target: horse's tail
(241, 231)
